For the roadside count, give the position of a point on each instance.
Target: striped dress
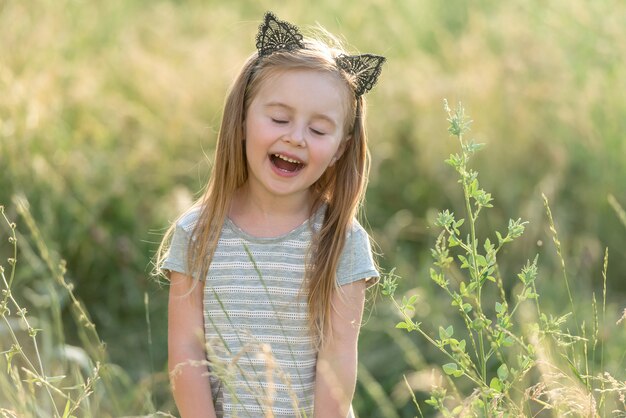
(262, 357)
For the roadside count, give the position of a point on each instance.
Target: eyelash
(282, 122)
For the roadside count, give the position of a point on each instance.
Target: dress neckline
(316, 220)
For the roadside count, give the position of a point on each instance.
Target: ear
(340, 150)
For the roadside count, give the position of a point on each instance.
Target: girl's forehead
(305, 88)
(303, 77)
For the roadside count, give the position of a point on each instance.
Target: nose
(296, 137)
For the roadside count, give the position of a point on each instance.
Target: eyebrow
(316, 115)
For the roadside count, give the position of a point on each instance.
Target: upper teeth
(282, 157)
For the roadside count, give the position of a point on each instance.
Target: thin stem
(413, 396)
(557, 244)
(604, 268)
(473, 244)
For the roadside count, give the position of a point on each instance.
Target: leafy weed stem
(464, 314)
(412, 326)
(459, 124)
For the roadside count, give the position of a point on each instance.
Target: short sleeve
(176, 257)
(356, 261)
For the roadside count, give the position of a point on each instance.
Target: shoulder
(356, 233)
(188, 220)
(357, 239)
(356, 228)
(179, 238)
(356, 261)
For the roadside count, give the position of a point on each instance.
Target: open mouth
(285, 163)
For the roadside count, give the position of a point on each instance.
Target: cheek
(327, 152)
(260, 128)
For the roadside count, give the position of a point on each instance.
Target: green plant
(496, 366)
(27, 383)
(40, 374)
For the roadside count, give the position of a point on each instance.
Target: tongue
(285, 165)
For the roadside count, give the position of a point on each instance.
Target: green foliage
(41, 374)
(494, 357)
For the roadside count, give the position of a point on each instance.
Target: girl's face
(294, 131)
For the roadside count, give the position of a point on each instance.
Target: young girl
(268, 270)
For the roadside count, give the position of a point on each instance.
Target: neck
(267, 216)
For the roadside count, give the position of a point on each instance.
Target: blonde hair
(340, 188)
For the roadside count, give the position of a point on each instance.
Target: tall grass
(512, 357)
(42, 375)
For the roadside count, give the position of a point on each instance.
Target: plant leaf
(503, 372)
(451, 369)
(495, 384)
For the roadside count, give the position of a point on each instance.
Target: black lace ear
(366, 68)
(276, 35)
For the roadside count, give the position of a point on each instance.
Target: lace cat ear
(366, 68)
(277, 35)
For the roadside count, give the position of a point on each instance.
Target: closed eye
(279, 121)
(316, 132)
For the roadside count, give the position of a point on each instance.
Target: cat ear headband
(277, 35)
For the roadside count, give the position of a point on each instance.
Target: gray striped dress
(262, 357)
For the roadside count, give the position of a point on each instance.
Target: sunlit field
(109, 112)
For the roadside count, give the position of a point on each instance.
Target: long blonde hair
(340, 188)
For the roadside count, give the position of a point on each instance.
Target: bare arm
(186, 352)
(337, 359)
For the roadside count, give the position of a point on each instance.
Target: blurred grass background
(106, 110)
